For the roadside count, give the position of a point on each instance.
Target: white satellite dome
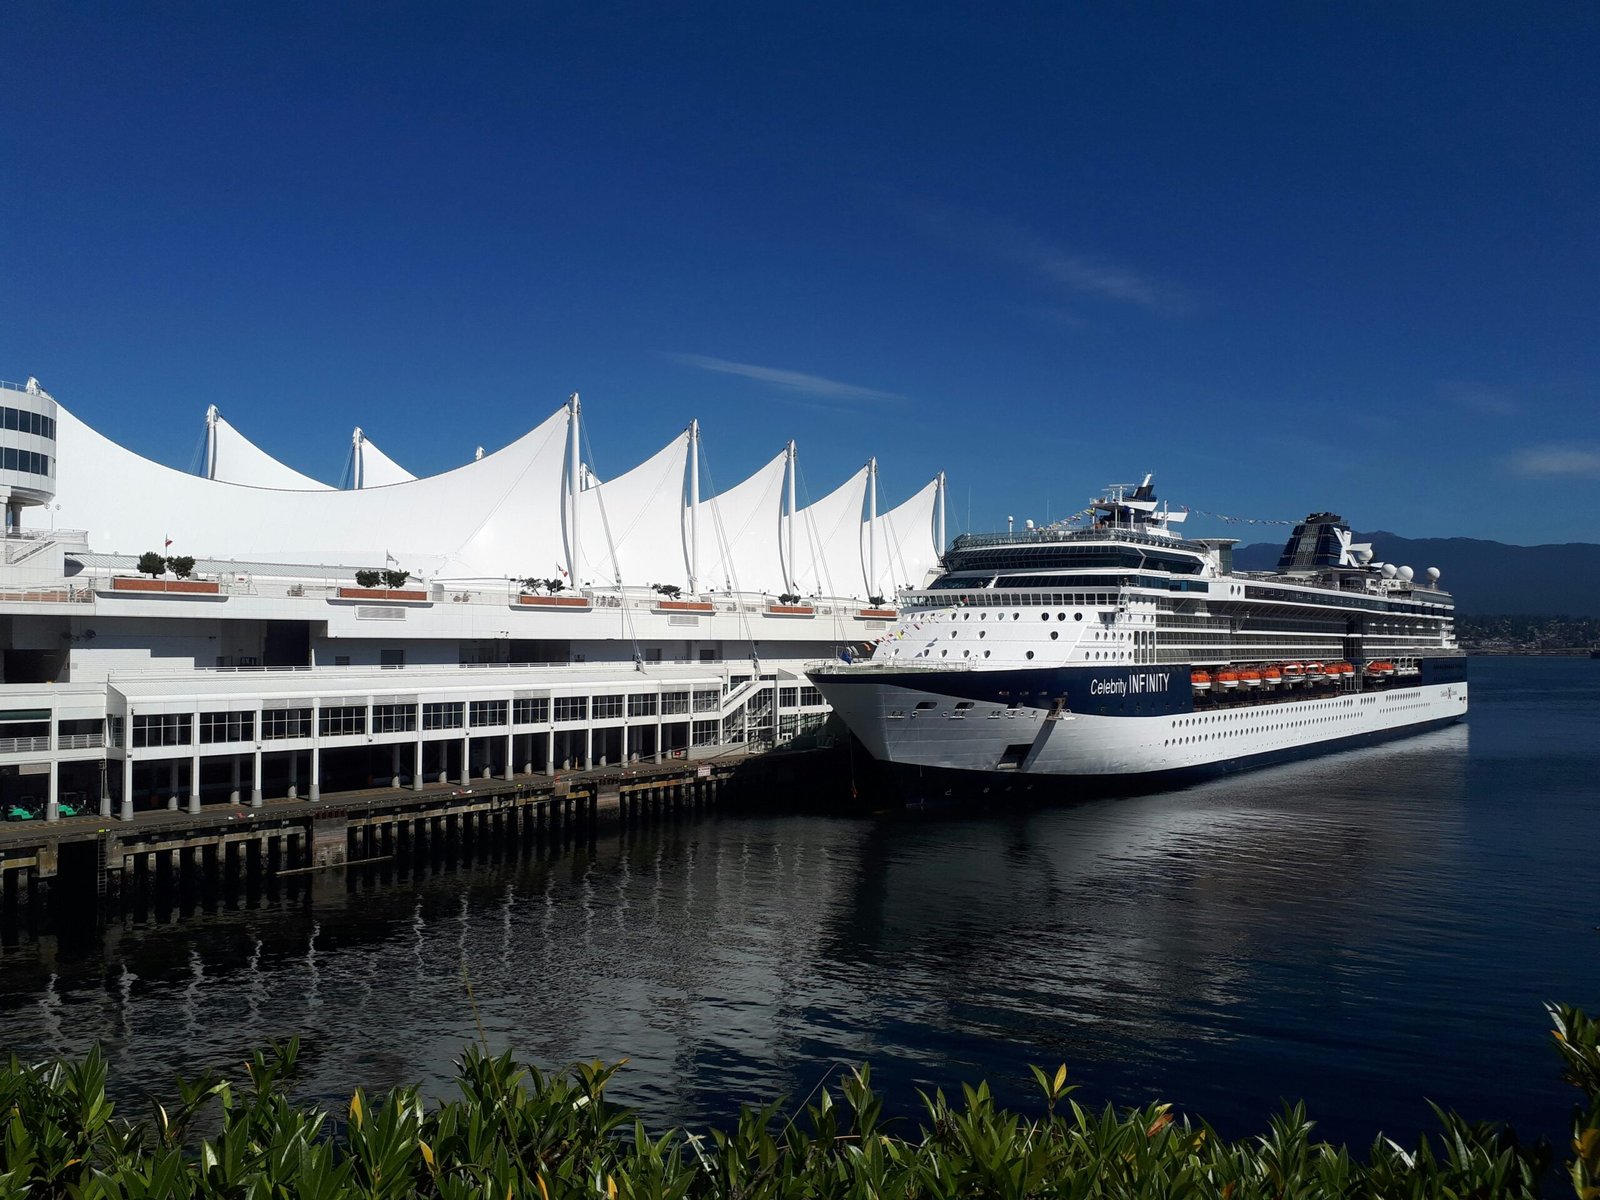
(1433, 574)
(1390, 570)
(1407, 574)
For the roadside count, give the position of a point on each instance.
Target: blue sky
(1287, 256)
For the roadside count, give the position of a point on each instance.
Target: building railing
(80, 741)
(23, 745)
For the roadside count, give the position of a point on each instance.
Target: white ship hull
(942, 751)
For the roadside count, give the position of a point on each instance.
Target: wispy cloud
(1065, 267)
(1481, 399)
(794, 381)
(1546, 461)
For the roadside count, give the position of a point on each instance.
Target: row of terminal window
(173, 729)
(29, 461)
(23, 421)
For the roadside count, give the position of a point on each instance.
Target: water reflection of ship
(1111, 917)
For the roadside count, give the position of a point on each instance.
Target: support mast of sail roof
(694, 507)
(211, 440)
(938, 535)
(355, 458)
(872, 523)
(574, 482)
(789, 581)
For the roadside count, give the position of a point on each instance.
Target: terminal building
(535, 616)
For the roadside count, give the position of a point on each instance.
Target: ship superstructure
(1124, 652)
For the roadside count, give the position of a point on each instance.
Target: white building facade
(550, 620)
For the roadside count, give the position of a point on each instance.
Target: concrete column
(237, 771)
(550, 752)
(172, 787)
(466, 759)
(588, 741)
(416, 766)
(659, 726)
(511, 764)
(394, 763)
(127, 787)
(294, 774)
(316, 773)
(194, 785)
(255, 779)
(52, 801)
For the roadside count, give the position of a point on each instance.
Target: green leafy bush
(517, 1132)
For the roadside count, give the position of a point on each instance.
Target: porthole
(1061, 616)
(1030, 653)
(1044, 616)
(986, 654)
(1077, 616)
(983, 633)
(1054, 634)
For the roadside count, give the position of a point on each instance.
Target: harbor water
(1366, 931)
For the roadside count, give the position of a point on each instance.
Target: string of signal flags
(1226, 518)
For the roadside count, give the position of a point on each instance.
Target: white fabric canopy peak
(374, 468)
(640, 515)
(739, 534)
(827, 534)
(234, 458)
(904, 549)
(491, 518)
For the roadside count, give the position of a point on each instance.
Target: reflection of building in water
(732, 958)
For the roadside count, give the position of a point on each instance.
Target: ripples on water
(1363, 931)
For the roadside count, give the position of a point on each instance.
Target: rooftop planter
(694, 606)
(791, 610)
(876, 614)
(403, 595)
(573, 602)
(177, 587)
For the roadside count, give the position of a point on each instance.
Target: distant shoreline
(1531, 652)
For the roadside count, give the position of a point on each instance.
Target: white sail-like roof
(739, 534)
(496, 517)
(903, 547)
(234, 458)
(827, 534)
(643, 512)
(374, 468)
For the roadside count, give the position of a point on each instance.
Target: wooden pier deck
(94, 856)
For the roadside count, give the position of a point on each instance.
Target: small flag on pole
(168, 543)
(389, 558)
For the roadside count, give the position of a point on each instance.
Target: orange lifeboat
(1227, 680)
(1250, 677)
(1293, 673)
(1200, 681)
(1314, 671)
(1271, 677)
(1381, 667)
(1338, 670)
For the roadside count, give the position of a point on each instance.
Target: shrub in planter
(369, 579)
(395, 579)
(181, 565)
(152, 564)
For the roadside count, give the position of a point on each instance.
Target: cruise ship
(1121, 655)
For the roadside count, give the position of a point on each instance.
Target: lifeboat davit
(1250, 677)
(1227, 680)
(1200, 681)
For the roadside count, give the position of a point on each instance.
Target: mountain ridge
(1485, 577)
